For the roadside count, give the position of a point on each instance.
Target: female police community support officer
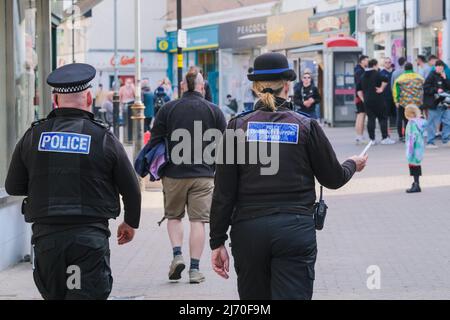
(72, 169)
(273, 235)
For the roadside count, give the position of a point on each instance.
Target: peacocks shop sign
(244, 34)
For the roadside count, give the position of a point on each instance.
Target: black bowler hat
(270, 67)
(72, 78)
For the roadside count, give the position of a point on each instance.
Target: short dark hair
(373, 63)
(440, 63)
(409, 66)
(401, 61)
(363, 57)
(191, 78)
(422, 58)
(432, 57)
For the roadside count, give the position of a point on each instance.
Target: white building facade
(100, 51)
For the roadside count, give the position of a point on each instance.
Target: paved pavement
(372, 222)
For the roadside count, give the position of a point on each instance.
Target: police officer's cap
(270, 67)
(72, 78)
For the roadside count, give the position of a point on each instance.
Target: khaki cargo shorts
(195, 194)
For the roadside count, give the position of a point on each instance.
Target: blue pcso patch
(273, 132)
(65, 142)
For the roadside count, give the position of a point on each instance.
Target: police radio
(320, 212)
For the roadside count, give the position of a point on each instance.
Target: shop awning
(313, 48)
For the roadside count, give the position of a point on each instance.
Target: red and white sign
(125, 61)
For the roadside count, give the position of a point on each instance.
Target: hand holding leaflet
(366, 149)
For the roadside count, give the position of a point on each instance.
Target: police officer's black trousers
(275, 257)
(59, 257)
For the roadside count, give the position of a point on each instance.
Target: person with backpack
(161, 98)
(148, 98)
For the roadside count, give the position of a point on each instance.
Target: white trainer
(388, 141)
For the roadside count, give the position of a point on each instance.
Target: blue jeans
(435, 117)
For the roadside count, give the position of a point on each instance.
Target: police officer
(273, 235)
(72, 170)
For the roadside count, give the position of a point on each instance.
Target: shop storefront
(240, 43)
(21, 100)
(431, 16)
(26, 59)
(154, 66)
(384, 24)
(201, 51)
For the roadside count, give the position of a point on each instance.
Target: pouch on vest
(320, 212)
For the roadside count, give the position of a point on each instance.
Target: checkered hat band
(74, 89)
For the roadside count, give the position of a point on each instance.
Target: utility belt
(242, 206)
(319, 210)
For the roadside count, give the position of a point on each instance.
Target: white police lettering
(64, 142)
(272, 132)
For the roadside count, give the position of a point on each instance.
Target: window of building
(3, 109)
(25, 64)
(71, 22)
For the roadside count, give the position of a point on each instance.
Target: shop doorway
(208, 62)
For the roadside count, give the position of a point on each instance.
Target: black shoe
(414, 189)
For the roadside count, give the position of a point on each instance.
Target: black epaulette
(101, 124)
(242, 114)
(38, 122)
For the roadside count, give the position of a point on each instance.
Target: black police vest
(293, 186)
(69, 172)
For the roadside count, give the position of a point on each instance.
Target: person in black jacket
(187, 182)
(360, 108)
(306, 96)
(273, 237)
(72, 170)
(436, 83)
(370, 91)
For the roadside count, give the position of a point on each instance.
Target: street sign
(162, 44)
(182, 39)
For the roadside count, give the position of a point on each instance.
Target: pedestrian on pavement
(370, 91)
(360, 108)
(126, 97)
(433, 60)
(306, 96)
(72, 169)
(187, 184)
(108, 108)
(231, 106)
(391, 109)
(100, 97)
(160, 99)
(408, 90)
(167, 85)
(423, 68)
(249, 95)
(148, 99)
(415, 144)
(398, 72)
(273, 232)
(437, 83)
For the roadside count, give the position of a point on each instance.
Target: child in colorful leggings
(415, 144)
